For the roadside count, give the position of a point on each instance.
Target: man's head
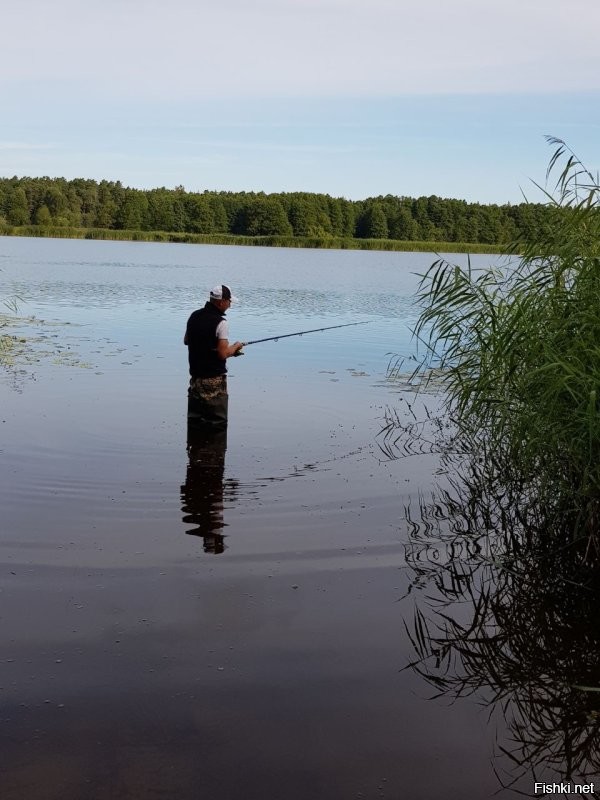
(221, 297)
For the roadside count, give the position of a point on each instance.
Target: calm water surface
(190, 621)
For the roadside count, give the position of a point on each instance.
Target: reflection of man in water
(207, 339)
(202, 493)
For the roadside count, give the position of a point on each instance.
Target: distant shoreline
(315, 242)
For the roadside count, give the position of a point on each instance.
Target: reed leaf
(519, 345)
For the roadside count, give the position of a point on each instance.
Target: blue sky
(345, 97)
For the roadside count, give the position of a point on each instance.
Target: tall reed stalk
(519, 347)
(6, 341)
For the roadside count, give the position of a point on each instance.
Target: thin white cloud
(198, 48)
(8, 146)
(266, 146)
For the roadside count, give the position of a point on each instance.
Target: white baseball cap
(222, 292)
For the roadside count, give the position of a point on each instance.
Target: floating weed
(33, 343)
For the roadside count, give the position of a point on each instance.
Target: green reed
(310, 242)
(519, 346)
(6, 341)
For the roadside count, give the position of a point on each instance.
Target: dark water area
(195, 617)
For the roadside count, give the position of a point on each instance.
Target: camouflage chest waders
(208, 401)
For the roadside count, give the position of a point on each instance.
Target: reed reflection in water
(204, 490)
(506, 611)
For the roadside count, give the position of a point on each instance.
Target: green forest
(56, 206)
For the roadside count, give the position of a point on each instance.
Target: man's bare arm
(226, 350)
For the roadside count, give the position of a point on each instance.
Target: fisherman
(207, 339)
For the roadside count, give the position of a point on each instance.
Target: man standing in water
(207, 339)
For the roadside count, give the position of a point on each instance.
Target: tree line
(83, 203)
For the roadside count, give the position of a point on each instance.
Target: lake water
(222, 621)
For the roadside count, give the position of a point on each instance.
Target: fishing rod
(301, 333)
